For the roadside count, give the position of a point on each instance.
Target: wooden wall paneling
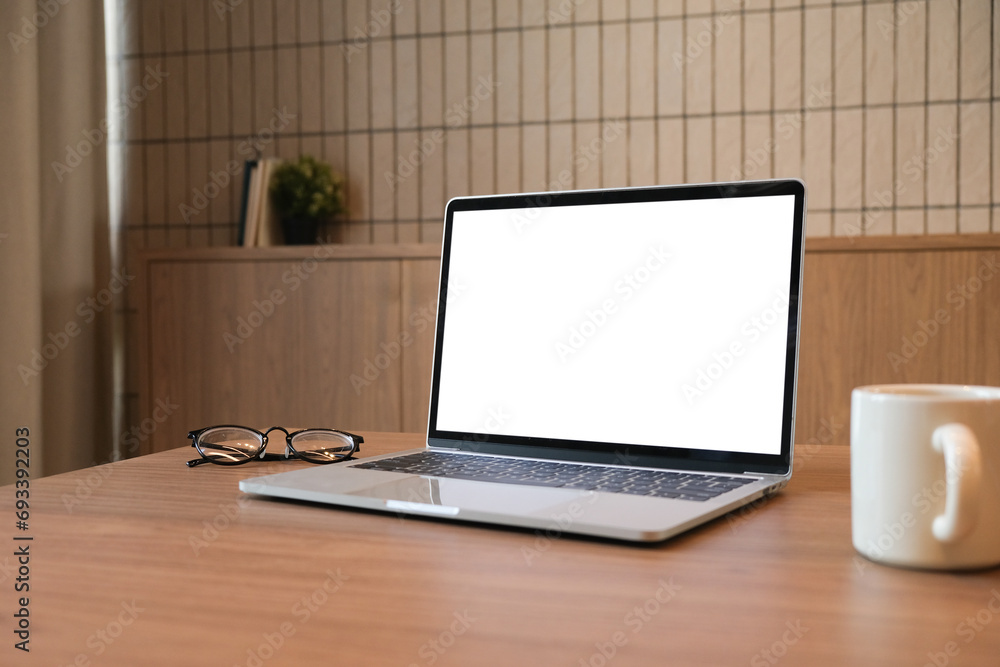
(824, 339)
(948, 324)
(419, 308)
(863, 302)
(875, 314)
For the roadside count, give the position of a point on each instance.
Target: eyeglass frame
(262, 454)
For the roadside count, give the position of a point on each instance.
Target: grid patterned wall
(886, 109)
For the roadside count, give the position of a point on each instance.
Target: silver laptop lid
(649, 326)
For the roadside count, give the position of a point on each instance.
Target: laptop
(616, 363)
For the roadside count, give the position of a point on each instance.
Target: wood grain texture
(268, 338)
(419, 300)
(902, 243)
(868, 305)
(872, 315)
(332, 252)
(213, 576)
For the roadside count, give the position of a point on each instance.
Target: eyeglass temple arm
(357, 440)
(197, 462)
(268, 456)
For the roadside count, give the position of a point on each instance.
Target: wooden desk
(158, 564)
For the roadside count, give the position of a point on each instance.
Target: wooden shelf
(333, 251)
(902, 243)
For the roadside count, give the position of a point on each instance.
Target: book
(253, 206)
(269, 226)
(241, 223)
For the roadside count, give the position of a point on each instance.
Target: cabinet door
(286, 342)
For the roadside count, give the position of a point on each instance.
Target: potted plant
(305, 193)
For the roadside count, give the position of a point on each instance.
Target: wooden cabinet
(328, 336)
(342, 336)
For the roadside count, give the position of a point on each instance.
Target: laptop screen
(654, 320)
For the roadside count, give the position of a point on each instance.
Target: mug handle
(963, 470)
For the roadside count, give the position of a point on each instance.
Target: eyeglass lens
(322, 446)
(229, 444)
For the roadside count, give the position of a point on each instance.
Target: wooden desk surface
(158, 564)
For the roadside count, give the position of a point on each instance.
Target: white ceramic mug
(925, 475)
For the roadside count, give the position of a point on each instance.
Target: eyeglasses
(233, 445)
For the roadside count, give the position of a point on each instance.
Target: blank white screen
(660, 323)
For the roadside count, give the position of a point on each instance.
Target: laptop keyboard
(639, 482)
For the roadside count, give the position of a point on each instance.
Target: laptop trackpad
(447, 497)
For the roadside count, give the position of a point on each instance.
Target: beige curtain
(55, 376)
